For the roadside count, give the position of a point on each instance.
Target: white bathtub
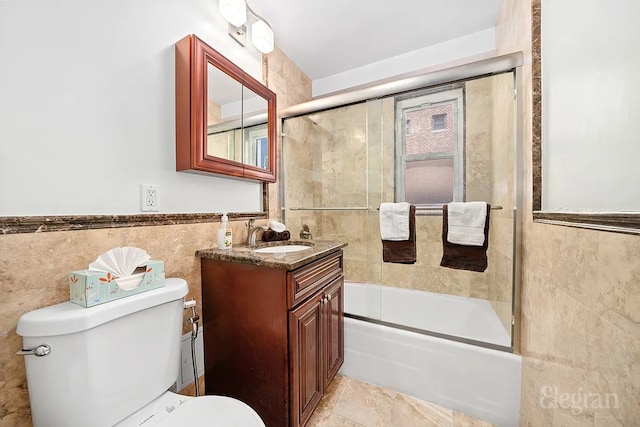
(477, 381)
(469, 318)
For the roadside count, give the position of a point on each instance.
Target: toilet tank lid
(68, 318)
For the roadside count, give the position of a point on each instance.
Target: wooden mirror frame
(192, 57)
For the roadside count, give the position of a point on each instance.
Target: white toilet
(112, 364)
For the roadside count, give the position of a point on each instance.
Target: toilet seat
(213, 411)
(171, 410)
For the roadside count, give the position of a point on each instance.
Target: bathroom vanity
(273, 326)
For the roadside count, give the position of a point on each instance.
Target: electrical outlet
(149, 198)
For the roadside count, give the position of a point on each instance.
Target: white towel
(466, 223)
(394, 221)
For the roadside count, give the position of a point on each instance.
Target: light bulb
(234, 11)
(262, 36)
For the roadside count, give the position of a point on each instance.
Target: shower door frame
(512, 62)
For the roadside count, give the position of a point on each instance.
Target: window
(256, 147)
(429, 148)
(439, 121)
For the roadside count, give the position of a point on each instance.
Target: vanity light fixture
(237, 12)
(262, 36)
(234, 11)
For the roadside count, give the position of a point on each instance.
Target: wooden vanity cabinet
(316, 348)
(273, 338)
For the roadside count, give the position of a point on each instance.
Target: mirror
(237, 127)
(224, 114)
(225, 119)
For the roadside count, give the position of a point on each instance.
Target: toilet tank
(106, 361)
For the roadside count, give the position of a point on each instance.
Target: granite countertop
(286, 261)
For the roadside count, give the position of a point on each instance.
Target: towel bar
(364, 208)
(337, 208)
(439, 208)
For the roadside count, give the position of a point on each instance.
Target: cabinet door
(334, 329)
(305, 340)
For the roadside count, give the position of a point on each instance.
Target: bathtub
(469, 319)
(478, 381)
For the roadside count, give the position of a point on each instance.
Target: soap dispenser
(224, 237)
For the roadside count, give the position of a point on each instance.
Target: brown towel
(404, 251)
(270, 235)
(461, 257)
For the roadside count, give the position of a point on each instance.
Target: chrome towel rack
(365, 208)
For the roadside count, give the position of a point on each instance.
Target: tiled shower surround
(345, 158)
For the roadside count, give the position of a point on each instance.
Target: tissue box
(89, 287)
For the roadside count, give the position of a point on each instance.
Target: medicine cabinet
(225, 119)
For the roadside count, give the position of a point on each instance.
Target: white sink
(282, 249)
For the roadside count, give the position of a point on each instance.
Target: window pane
(430, 129)
(439, 121)
(429, 182)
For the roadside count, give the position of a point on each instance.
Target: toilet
(113, 364)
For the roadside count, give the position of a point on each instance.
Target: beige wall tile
(618, 274)
(33, 274)
(538, 321)
(573, 329)
(619, 398)
(346, 158)
(580, 326)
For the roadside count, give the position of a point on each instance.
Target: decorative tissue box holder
(89, 287)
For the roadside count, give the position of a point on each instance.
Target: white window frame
(430, 100)
(250, 149)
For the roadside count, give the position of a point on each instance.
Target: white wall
(474, 46)
(87, 107)
(591, 105)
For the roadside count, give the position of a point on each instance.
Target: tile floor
(354, 403)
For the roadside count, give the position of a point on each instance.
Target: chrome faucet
(253, 231)
(304, 232)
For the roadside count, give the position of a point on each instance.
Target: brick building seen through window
(429, 169)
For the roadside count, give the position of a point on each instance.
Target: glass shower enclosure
(453, 141)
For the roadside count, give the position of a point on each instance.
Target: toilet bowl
(113, 364)
(170, 410)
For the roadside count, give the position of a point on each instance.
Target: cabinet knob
(329, 297)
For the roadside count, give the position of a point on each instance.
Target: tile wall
(345, 158)
(580, 297)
